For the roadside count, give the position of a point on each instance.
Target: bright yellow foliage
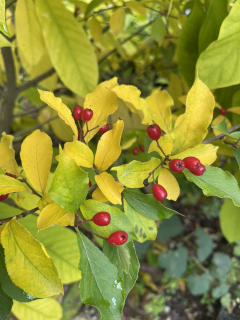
(169, 182)
(99, 196)
(166, 144)
(79, 152)
(108, 187)
(8, 185)
(7, 156)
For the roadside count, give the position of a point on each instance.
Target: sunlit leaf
(109, 187)
(7, 155)
(8, 184)
(169, 182)
(79, 152)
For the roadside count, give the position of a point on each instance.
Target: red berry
(104, 128)
(176, 165)
(223, 111)
(101, 219)
(4, 197)
(79, 133)
(89, 183)
(135, 151)
(117, 238)
(154, 132)
(159, 192)
(200, 170)
(77, 112)
(142, 148)
(11, 175)
(191, 163)
(87, 115)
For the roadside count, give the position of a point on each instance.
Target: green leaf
(174, 261)
(222, 126)
(8, 286)
(133, 173)
(236, 153)
(170, 228)
(209, 31)
(217, 65)
(205, 244)
(92, 5)
(188, 44)
(3, 26)
(216, 182)
(115, 255)
(101, 285)
(69, 185)
(226, 299)
(7, 211)
(158, 31)
(223, 264)
(230, 221)
(147, 205)
(119, 220)
(62, 31)
(198, 284)
(5, 305)
(219, 291)
(71, 303)
(61, 245)
(144, 228)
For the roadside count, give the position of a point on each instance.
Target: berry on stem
(87, 115)
(89, 183)
(117, 238)
(11, 175)
(135, 151)
(200, 170)
(154, 132)
(104, 128)
(191, 163)
(101, 219)
(77, 112)
(4, 197)
(176, 165)
(142, 148)
(159, 192)
(223, 111)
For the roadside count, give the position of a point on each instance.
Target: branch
(19, 216)
(8, 5)
(34, 81)
(220, 136)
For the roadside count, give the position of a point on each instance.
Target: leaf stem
(33, 191)
(159, 147)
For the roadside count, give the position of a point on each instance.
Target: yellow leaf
(28, 264)
(109, 187)
(63, 111)
(95, 29)
(217, 120)
(183, 99)
(138, 7)
(52, 214)
(198, 116)
(79, 152)
(102, 102)
(8, 185)
(130, 95)
(99, 196)
(160, 103)
(28, 32)
(234, 110)
(179, 120)
(36, 156)
(117, 21)
(206, 153)
(1, 230)
(7, 156)
(108, 148)
(169, 182)
(42, 309)
(166, 144)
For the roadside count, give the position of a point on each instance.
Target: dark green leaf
(147, 205)
(236, 153)
(205, 244)
(71, 303)
(220, 291)
(223, 264)
(198, 284)
(5, 305)
(101, 284)
(170, 228)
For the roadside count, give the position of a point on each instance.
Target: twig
(159, 147)
(33, 191)
(29, 111)
(19, 216)
(222, 135)
(79, 225)
(95, 169)
(198, 263)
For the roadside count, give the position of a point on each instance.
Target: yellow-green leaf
(199, 112)
(234, 110)
(102, 102)
(99, 196)
(160, 103)
(28, 32)
(42, 309)
(28, 264)
(44, 201)
(217, 120)
(62, 31)
(79, 152)
(108, 148)
(117, 21)
(206, 153)
(4, 42)
(169, 182)
(109, 187)
(166, 143)
(8, 185)
(3, 26)
(1, 230)
(7, 156)
(52, 214)
(36, 156)
(63, 111)
(130, 95)
(133, 173)
(95, 29)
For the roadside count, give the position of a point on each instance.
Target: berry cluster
(103, 219)
(136, 150)
(176, 165)
(4, 196)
